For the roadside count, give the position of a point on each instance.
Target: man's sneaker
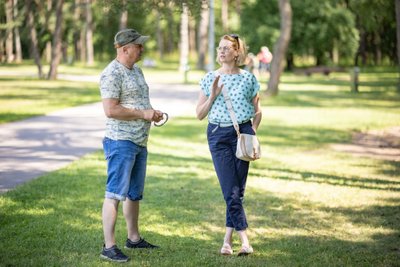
(113, 254)
(139, 244)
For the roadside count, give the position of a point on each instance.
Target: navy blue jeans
(231, 171)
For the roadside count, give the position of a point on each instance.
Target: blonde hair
(239, 45)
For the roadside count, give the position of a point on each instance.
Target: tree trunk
(378, 51)
(47, 52)
(398, 39)
(89, 34)
(77, 31)
(211, 37)
(202, 41)
(281, 46)
(192, 36)
(290, 62)
(56, 43)
(224, 16)
(33, 37)
(184, 44)
(238, 7)
(171, 29)
(9, 31)
(335, 53)
(160, 38)
(123, 22)
(17, 39)
(363, 48)
(82, 45)
(1, 49)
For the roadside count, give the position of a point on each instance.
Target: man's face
(133, 52)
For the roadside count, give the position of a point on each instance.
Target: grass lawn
(307, 204)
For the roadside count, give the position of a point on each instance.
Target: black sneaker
(139, 244)
(113, 254)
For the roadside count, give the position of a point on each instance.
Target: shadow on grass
(321, 178)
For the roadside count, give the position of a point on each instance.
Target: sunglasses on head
(236, 37)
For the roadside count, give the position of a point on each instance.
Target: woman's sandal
(244, 251)
(226, 249)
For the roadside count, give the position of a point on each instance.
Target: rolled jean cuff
(238, 229)
(114, 196)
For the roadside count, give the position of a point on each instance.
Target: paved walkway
(33, 147)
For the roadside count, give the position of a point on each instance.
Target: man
(126, 104)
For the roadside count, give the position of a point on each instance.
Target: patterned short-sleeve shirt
(242, 88)
(130, 87)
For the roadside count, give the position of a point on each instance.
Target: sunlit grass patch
(20, 99)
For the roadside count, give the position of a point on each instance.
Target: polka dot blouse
(242, 88)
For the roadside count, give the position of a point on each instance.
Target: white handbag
(248, 147)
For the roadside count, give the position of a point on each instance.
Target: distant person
(265, 58)
(126, 104)
(243, 89)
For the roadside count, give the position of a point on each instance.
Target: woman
(242, 88)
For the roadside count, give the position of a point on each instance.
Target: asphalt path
(33, 147)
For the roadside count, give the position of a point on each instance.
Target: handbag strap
(228, 103)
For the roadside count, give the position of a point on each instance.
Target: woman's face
(226, 52)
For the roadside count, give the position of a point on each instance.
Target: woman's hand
(216, 89)
(204, 103)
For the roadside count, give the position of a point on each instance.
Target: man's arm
(113, 109)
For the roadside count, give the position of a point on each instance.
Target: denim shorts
(126, 169)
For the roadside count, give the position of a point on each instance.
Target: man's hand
(158, 115)
(152, 115)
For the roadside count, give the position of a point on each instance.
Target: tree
(398, 40)
(281, 46)
(89, 33)
(17, 37)
(9, 31)
(202, 42)
(325, 30)
(123, 22)
(184, 44)
(375, 22)
(224, 15)
(33, 36)
(56, 43)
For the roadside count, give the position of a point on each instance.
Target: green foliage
(376, 20)
(318, 28)
(321, 29)
(260, 24)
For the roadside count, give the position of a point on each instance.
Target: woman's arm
(258, 112)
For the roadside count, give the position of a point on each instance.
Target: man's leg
(109, 215)
(131, 213)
